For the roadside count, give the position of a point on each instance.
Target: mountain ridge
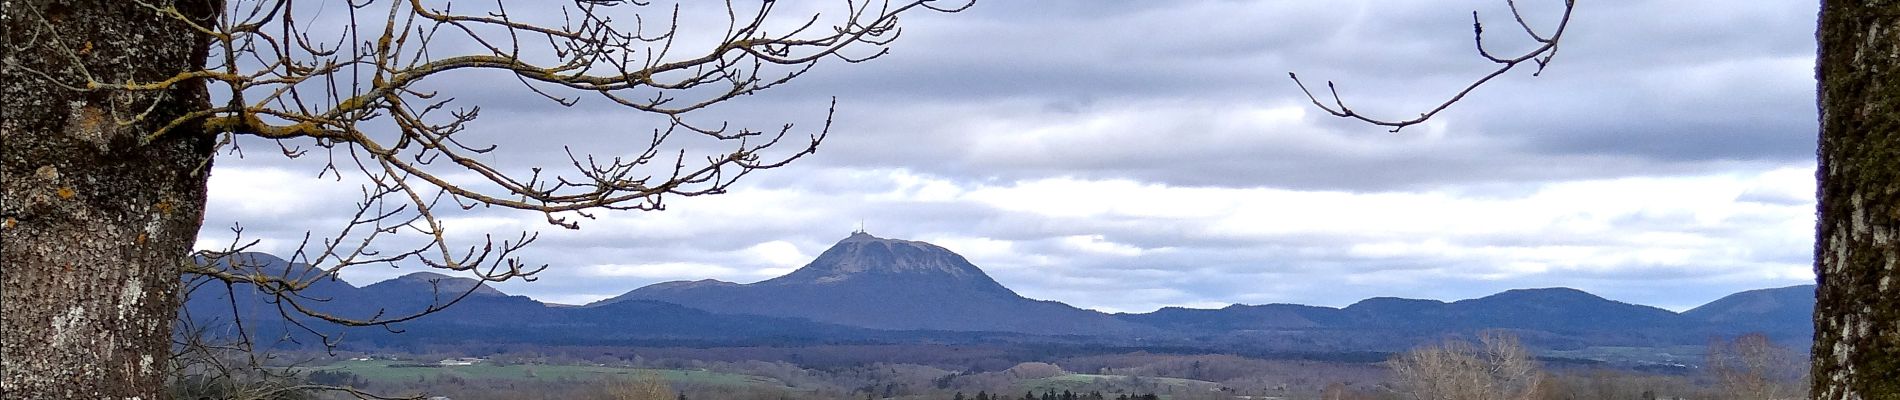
(869, 288)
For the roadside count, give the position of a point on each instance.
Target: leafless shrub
(1498, 367)
(1751, 367)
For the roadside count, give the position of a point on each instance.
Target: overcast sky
(1125, 156)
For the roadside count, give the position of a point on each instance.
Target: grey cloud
(1071, 53)
(923, 106)
(1643, 88)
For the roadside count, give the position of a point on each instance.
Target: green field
(381, 371)
(1684, 354)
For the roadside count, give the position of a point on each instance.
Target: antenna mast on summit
(860, 226)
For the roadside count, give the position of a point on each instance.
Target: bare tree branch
(361, 94)
(356, 93)
(1540, 56)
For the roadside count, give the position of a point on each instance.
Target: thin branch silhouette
(1540, 56)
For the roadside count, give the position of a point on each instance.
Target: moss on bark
(1857, 248)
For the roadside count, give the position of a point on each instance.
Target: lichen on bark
(90, 274)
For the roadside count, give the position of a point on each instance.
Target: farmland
(384, 371)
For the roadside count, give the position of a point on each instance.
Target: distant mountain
(872, 282)
(1783, 313)
(1560, 310)
(1553, 316)
(486, 314)
(408, 294)
(213, 299)
(866, 288)
(425, 282)
(1240, 317)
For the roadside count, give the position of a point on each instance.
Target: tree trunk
(94, 221)
(1857, 248)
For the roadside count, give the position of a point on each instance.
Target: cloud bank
(1130, 156)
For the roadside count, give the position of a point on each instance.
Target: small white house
(460, 361)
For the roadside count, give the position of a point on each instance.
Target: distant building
(460, 361)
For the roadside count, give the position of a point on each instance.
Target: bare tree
(115, 110)
(1750, 367)
(646, 385)
(1498, 367)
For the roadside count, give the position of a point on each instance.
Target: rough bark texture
(1857, 249)
(94, 221)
